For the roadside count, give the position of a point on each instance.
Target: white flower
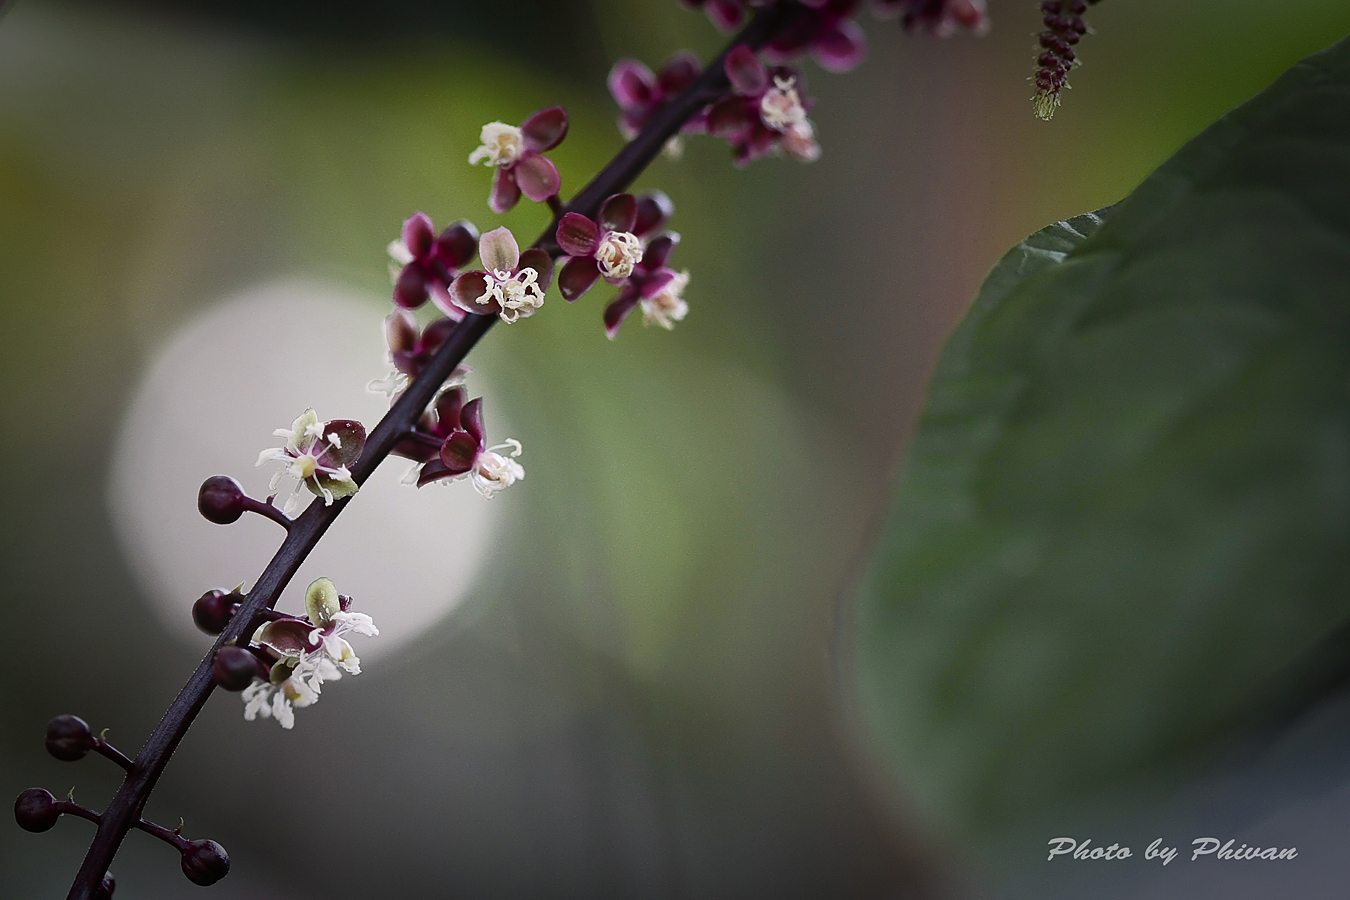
(618, 253)
(311, 653)
(800, 142)
(518, 293)
(399, 254)
(493, 472)
(780, 107)
(667, 307)
(314, 458)
(502, 145)
(277, 697)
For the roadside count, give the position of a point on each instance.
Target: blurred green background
(639, 698)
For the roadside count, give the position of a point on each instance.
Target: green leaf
(1127, 507)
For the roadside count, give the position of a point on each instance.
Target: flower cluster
(425, 265)
(517, 153)
(1064, 27)
(826, 31)
(640, 93)
(449, 442)
(622, 247)
(304, 652)
(725, 14)
(511, 284)
(318, 456)
(940, 18)
(410, 350)
(766, 112)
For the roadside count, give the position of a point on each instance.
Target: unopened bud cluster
(69, 739)
(1064, 27)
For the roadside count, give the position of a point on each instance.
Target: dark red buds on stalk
(213, 610)
(35, 810)
(69, 738)
(205, 862)
(106, 888)
(221, 500)
(234, 668)
(1064, 27)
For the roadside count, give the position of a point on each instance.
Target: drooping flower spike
(654, 287)
(766, 113)
(511, 284)
(517, 155)
(610, 247)
(1064, 28)
(463, 450)
(428, 264)
(826, 31)
(317, 455)
(308, 651)
(640, 93)
(940, 18)
(411, 350)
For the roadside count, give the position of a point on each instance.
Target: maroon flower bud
(69, 738)
(205, 862)
(35, 810)
(213, 611)
(106, 888)
(725, 14)
(234, 668)
(942, 18)
(426, 265)
(827, 31)
(221, 500)
(641, 92)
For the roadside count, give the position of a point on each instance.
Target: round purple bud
(234, 668)
(221, 500)
(213, 611)
(69, 738)
(205, 862)
(35, 810)
(105, 890)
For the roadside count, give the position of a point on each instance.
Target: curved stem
(304, 532)
(168, 836)
(268, 510)
(103, 747)
(71, 808)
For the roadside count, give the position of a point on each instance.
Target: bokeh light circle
(209, 402)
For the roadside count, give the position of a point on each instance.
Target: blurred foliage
(1127, 507)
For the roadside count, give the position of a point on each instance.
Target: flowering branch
(304, 532)
(281, 661)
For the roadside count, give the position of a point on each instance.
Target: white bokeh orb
(208, 404)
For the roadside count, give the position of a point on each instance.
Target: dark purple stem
(71, 808)
(427, 440)
(108, 750)
(304, 532)
(171, 837)
(268, 510)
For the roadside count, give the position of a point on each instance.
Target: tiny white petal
(399, 253)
